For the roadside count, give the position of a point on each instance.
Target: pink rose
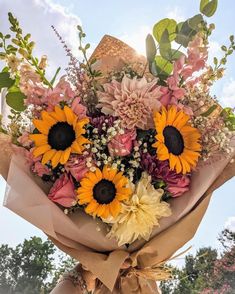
(122, 144)
(63, 191)
(24, 140)
(78, 108)
(77, 167)
(179, 186)
(40, 169)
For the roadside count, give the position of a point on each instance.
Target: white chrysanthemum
(140, 213)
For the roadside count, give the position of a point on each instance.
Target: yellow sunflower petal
(121, 197)
(41, 150)
(56, 159)
(162, 150)
(118, 177)
(85, 189)
(86, 182)
(171, 115)
(178, 166)
(185, 164)
(65, 155)
(48, 118)
(39, 139)
(159, 137)
(115, 207)
(172, 161)
(42, 126)
(100, 210)
(48, 156)
(92, 207)
(112, 174)
(84, 200)
(69, 115)
(98, 174)
(76, 148)
(106, 212)
(92, 177)
(58, 114)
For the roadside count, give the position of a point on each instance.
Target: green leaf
(164, 67)
(5, 80)
(215, 61)
(153, 68)
(176, 54)
(151, 50)
(165, 24)
(229, 118)
(16, 100)
(55, 75)
(87, 46)
(165, 46)
(209, 111)
(208, 7)
(195, 21)
(79, 28)
(184, 33)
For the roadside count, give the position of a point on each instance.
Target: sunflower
(177, 141)
(103, 192)
(60, 134)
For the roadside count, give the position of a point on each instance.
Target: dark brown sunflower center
(173, 140)
(104, 192)
(61, 136)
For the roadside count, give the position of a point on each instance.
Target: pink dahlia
(176, 184)
(132, 100)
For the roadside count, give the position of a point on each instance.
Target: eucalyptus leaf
(176, 54)
(153, 68)
(16, 100)
(165, 46)
(195, 21)
(208, 7)
(185, 33)
(5, 80)
(151, 50)
(164, 67)
(165, 24)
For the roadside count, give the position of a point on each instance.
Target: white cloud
(137, 39)
(230, 224)
(175, 13)
(228, 94)
(36, 17)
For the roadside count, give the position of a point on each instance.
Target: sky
(130, 21)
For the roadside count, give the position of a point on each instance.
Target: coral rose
(63, 191)
(122, 144)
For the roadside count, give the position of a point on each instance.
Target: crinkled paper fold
(84, 238)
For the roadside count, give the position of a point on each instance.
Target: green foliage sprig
(161, 56)
(87, 64)
(24, 46)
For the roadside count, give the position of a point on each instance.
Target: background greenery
(34, 266)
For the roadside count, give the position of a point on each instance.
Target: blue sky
(131, 21)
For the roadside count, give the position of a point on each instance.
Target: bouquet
(116, 160)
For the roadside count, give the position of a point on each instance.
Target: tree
(207, 272)
(25, 268)
(32, 267)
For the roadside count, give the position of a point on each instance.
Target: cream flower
(140, 213)
(132, 100)
(13, 62)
